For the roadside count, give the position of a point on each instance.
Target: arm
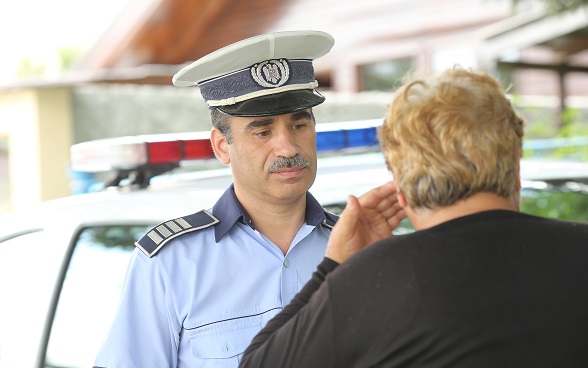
(302, 334)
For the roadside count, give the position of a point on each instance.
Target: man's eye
(299, 126)
(263, 133)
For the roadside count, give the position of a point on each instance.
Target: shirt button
(286, 263)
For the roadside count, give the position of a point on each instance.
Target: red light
(197, 149)
(164, 152)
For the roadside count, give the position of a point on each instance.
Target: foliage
(565, 131)
(554, 6)
(560, 203)
(68, 56)
(28, 68)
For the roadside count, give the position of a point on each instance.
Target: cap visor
(276, 104)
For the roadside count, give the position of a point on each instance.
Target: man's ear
(220, 146)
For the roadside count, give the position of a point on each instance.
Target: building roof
(175, 32)
(564, 34)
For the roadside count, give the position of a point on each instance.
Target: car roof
(175, 195)
(554, 171)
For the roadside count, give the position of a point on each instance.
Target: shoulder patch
(330, 220)
(159, 235)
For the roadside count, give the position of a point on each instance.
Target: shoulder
(161, 234)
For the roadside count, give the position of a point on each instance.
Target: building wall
(434, 33)
(105, 111)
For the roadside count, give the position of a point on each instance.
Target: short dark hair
(220, 121)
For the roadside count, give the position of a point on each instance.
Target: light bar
(349, 134)
(127, 153)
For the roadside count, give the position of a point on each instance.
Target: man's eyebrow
(259, 123)
(301, 115)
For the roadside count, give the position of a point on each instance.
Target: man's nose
(286, 144)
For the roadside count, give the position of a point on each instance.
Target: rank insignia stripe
(330, 220)
(162, 233)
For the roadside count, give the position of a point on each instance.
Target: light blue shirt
(203, 297)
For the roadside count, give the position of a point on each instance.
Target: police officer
(200, 287)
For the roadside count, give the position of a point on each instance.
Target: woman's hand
(365, 220)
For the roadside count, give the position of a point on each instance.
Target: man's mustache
(288, 163)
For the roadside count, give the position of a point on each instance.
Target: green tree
(568, 202)
(29, 69)
(68, 56)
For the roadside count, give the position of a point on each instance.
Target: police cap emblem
(271, 73)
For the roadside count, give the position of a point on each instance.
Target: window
(450, 56)
(25, 292)
(405, 226)
(90, 294)
(565, 201)
(384, 75)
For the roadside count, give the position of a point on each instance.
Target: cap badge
(271, 73)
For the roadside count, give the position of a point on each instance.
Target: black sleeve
(300, 335)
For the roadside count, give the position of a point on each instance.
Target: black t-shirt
(493, 289)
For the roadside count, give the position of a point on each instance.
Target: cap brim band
(275, 104)
(261, 93)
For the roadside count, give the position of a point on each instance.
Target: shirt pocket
(223, 342)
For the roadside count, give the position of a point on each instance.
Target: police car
(62, 264)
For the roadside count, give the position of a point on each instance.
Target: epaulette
(159, 235)
(330, 220)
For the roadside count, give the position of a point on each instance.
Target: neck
(423, 218)
(278, 220)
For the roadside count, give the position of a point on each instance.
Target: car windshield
(565, 201)
(90, 293)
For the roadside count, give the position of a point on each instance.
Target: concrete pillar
(38, 126)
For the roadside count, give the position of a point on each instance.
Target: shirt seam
(177, 324)
(233, 318)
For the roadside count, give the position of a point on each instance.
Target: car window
(405, 226)
(564, 201)
(90, 294)
(568, 201)
(24, 296)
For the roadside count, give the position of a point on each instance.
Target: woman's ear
(220, 146)
(401, 199)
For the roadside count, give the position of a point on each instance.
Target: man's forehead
(305, 114)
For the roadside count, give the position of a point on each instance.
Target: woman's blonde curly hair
(450, 135)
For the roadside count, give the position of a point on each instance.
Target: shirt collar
(229, 211)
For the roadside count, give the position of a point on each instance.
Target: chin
(292, 190)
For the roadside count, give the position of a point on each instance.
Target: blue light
(353, 134)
